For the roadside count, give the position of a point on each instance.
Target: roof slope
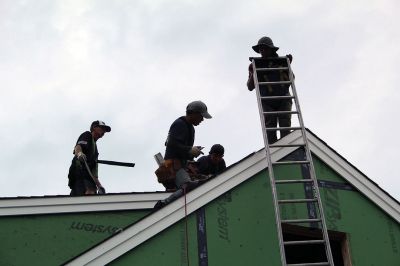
(155, 222)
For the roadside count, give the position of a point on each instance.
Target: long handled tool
(100, 190)
(116, 163)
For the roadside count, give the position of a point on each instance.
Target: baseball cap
(99, 123)
(198, 107)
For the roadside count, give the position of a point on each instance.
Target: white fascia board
(354, 177)
(68, 204)
(156, 222)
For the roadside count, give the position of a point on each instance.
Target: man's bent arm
(77, 150)
(250, 80)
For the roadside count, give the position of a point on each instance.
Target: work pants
(182, 181)
(272, 120)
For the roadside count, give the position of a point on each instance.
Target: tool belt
(167, 171)
(192, 170)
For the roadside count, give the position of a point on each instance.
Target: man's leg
(182, 181)
(285, 119)
(270, 121)
(182, 177)
(78, 187)
(90, 187)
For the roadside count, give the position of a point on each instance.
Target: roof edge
(354, 176)
(68, 204)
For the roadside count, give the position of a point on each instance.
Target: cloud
(136, 65)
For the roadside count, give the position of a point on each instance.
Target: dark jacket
(266, 76)
(206, 167)
(180, 140)
(77, 168)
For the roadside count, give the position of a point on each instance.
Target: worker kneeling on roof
(212, 164)
(85, 151)
(180, 149)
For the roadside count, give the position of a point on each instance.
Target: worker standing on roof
(213, 163)
(180, 149)
(80, 181)
(266, 48)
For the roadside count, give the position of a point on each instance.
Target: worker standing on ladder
(180, 149)
(79, 179)
(266, 48)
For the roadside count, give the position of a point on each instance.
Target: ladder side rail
(311, 168)
(270, 167)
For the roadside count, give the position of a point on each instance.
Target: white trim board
(354, 177)
(151, 225)
(68, 204)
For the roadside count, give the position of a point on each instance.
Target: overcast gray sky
(136, 65)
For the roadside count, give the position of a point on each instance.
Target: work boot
(160, 204)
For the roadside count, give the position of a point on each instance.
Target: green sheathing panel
(167, 248)
(53, 239)
(240, 230)
(290, 191)
(374, 237)
(240, 226)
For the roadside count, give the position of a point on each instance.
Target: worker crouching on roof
(80, 181)
(266, 48)
(180, 149)
(213, 163)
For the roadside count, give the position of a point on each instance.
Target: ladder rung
(301, 221)
(309, 264)
(274, 82)
(303, 242)
(280, 112)
(293, 181)
(261, 69)
(286, 145)
(276, 97)
(296, 200)
(290, 162)
(273, 59)
(282, 128)
(279, 58)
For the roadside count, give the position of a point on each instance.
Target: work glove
(101, 190)
(290, 57)
(81, 156)
(195, 151)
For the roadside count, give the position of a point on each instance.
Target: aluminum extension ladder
(262, 66)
